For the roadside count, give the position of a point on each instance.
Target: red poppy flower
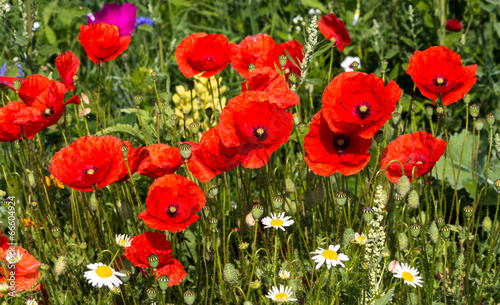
(419, 150)
(439, 70)
(102, 42)
(162, 160)
(201, 52)
(453, 25)
(6, 81)
(67, 65)
(294, 48)
(4, 241)
(172, 203)
(255, 126)
(334, 29)
(359, 102)
(329, 152)
(146, 244)
(89, 161)
(8, 130)
(136, 157)
(269, 81)
(211, 157)
(26, 273)
(174, 270)
(33, 86)
(251, 51)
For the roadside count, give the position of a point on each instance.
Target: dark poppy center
(362, 110)
(172, 209)
(260, 132)
(48, 112)
(440, 80)
(208, 58)
(341, 142)
(417, 159)
(89, 170)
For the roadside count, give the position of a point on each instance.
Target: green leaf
(74, 12)
(291, 59)
(315, 4)
(314, 81)
(323, 50)
(123, 128)
(48, 50)
(181, 3)
(385, 298)
(21, 40)
(146, 27)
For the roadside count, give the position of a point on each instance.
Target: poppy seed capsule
(397, 198)
(69, 117)
(466, 99)
(368, 214)
(151, 293)
(302, 127)
(56, 231)
(125, 151)
(153, 260)
(251, 67)
(474, 110)
(379, 136)
(213, 222)
(490, 119)
(153, 75)
(497, 185)
(282, 60)
(195, 127)
(17, 84)
(137, 99)
(468, 210)
(429, 111)
(277, 202)
(478, 125)
(173, 120)
(415, 230)
(440, 221)
(127, 273)
(209, 112)
(383, 64)
(163, 281)
(354, 64)
(445, 231)
(341, 198)
(189, 297)
(292, 77)
(396, 119)
(185, 150)
(257, 211)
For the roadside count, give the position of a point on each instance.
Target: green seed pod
(445, 231)
(209, 112)
(173, 119)
(69, 118)
(185, 150)
(257, 211)
(423, 218)
(497, 185)
(151, 292)
(415, 230)
(368, 214)
(341, 198)
(153, 260)
(125, 151)
(479, 125)
(137, 99)
(355, 64)
(277, 202)
(466, 99)
(195, 127)
(383, 64)
(127, 276)
(490, 119)
(17, 84)
(153, 75)
(440, 221)
(379, 136)
(302, 127)
(433, 232)
(397, 198)
(292, 77)
(289, 186)
(474, 110)
(282, 60)
(396, 119)
(429, 111)
(403, 241)
(93, 202)
(189, 297)
(251, 67)
(404, 186)
(213, 222)
(413, 200)
(230, 274)
(348, 236)
(487, 224)
(163, 282)
(468, 210)
(56, 231)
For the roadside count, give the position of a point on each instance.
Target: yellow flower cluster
(202, 98)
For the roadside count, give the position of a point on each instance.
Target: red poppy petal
(67, 65)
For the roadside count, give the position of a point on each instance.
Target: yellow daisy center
(104, 271)
(281, 296)
(330, 254)
(408, 277)
(277, 222)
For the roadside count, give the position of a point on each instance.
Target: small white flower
(330, 256)
(312, 11)
(284, 275)
(297, 19)
(360, 239)
(31, 302)
(36, 25)
(346, 64)
(101, 274)
(123, 240)
(281, 295)
(408, 274)
(277, 221)
(318, 11)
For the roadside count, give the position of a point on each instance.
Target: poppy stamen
(260, 132)
(89, 170)
(440, 80)
(362, 110)
(48, 112)
(341, 143)
(172, 210)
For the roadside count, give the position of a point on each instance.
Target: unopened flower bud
(403, 241)
(404, 185)
(379, 136)
(413, 200)
(433, 232)
(60, 265)
(440, 110)
(348, 236)
(190, 84)
(209, 112)
(230, 273)
(487, 224)
(474, 110)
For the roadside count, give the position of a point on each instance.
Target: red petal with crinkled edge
(174, 270)
(67, 65)
(6, 81)
(162, 160)
(249, 51)
(332, 27)
(296, 51)
(146, 244)
(136, 156)
(26, 273)
(9, 131)
(102, 42)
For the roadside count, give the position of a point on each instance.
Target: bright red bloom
(294, 48)
(419, 150)
(102, 42)
(4, 241)
(26, 273)
(329, 152)
(7, 81)
(439, 70)
(255, 126)
(359, 102)
(162, 160)
(172, 203)
(453, 25)
(334, 29)
(211, 157)
(33, 86)
(269, 81)
(89, 161)
(146, 244)
(8, 130)
(201, 52)
(136, 157)
(174, 270)
(67, 65)
(251, 50)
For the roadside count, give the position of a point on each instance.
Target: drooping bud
(289, 186)
(185, 150)
(230, 274)
(93, 202)
(474, 110)
(379, 136)
(257, 211)
(404, 185)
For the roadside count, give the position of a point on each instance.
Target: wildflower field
(250, 152)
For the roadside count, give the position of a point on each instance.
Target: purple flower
(144, 20)
(21, 73)
(3, 69)
(115, 14)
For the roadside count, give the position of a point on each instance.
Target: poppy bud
(292, 77)
(282, 59)
(277, 202)
(433, 232)
(153, 260)
(415, 230)
(490, 119)
(137, 99)
(44, 267)
(445, 231)
(17, 84)
(213, 191)
(163, 281)
(173, 120)
(396, 119)
(230, 273)
(468, 210)
(383, 64)
(497, 185)
(125, 151)
(429, 111)
(466, 99)
(440, 221)
(153, 75)
(440, 110)
(257, 211)
(413, 200)
(251, 67)
(56, 232)
(404, 186)
(479, 124)
(474, 110)
(189, 297)
(340, 198)
(190, 84)
(348, 236)
(487, 224)
(213, 222)
(403, 241)
(379, 136)
(185, 150)
(209, 112)
(302, 127)
(127, 273)
(368, 214)
(354, 65)
(69, 117)
(151, 293)
(60, 265)
(195, 127)
(93, 202)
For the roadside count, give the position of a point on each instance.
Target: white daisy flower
(31, 302)
(347, 63)
(123, 240)
(284, 294)
(408, 274)
(284, 275)
(330, 256)
(360, 239)
(101, 274)
(277, 221)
